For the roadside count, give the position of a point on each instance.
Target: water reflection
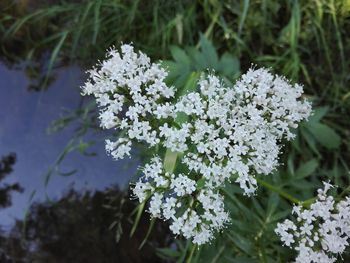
(75, 218)
(48, 223)
(6, 167)
(77, 228)
(25, 117)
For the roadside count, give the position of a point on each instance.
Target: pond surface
(24, 119)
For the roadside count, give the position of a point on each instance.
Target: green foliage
(67, 26)
(314, 156)
(324, 135)
(307, 41)
(191, 60)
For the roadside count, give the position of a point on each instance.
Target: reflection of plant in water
(19, 47)
(6, 167)
(77, 228)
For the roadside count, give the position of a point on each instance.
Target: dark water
(85, 217)
(24, 118)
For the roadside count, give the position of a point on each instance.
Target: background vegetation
(307, 41)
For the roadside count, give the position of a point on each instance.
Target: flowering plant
(321, 232)
(218, 133)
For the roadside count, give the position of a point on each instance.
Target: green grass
(305, 40)
(95, 25)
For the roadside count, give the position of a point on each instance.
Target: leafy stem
(346, 190)
(291, 198)
(278, 190)
(189, 259)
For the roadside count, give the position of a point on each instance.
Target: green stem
(138, 217)
(279, 191)
(292, 199)
(209, 30)
(308, 202)
(189, 259)
(347, 189)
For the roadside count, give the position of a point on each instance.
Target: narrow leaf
(325, 135)
(138, 217)
(306, 169)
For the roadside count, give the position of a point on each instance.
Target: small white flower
(321, 232)
(119, 148)
(155, 204)
(183, 185)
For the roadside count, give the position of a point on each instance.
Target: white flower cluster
(195, 213)
(128, 84)
(236, 130)
(222, 133)
(320, 233)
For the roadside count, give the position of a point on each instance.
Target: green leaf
(181, 117)
(309, 139)
(179, 55)
(279, 216)
(272, 204)
(172, 68)
(191, 84)
(243, 16)
(325, 135)
(200, 183)
(55, 54)
(290, 164)
(138, 217)
(97, 21)
(241, 242)
(306, 169)
(170, 161)
(76, 36)
(150, 228)
(259, 210)
(209, 52)
(318, 114)
(229, 65)
(197, 59)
